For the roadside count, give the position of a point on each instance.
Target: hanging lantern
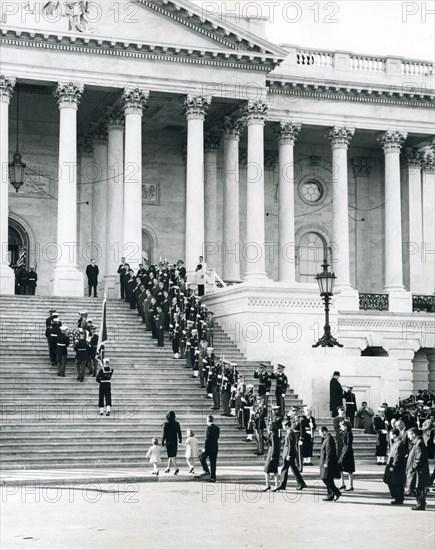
(17, 171)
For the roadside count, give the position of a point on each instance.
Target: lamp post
(325, 280)
(17, 167)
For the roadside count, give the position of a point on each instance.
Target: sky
(376, 27)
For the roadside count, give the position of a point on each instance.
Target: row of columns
(117, 201)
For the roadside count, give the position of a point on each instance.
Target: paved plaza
(204, 515)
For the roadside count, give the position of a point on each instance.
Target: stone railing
(357, 64)
(379, 302)
(422, 302)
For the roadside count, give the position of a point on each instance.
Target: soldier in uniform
(351, 408)
(104, 378)
(122, 270)
(209, 363)
(260, 425)
(52, 333)
(202, 355)
(281, 387)
(52, 314)
(215, 380)
(265, 382)
(209, 328)
(32, 277)
(160, 326)
(227, 382)
(248, 401)
(62, 350)
(92, 357)
(81, 348)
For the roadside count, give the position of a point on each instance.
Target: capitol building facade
(156, 130)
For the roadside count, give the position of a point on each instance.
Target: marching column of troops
(89, 356)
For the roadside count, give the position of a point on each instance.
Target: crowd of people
(25, 281)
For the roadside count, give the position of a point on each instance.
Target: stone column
(195, 108)
(286, 135)
(134, 103)
(427, 159)
(340, 138)
(7, 276)
(85, 171)
(115, 199)
(400, 301)
(412, 250)
(255, 113)
(67, 279)
(212, 237)
(405, 360)
(430, 354)
(98, 251)
(231, 204)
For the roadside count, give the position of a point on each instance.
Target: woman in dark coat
(272, 460)
(346, 459)
(308, 427)
(394, 475)
(171, 438)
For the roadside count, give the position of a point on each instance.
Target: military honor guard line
(167, 304)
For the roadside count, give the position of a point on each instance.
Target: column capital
(98, 132)
(287, 132)
(212, 140)
(271, 159)
(426, 156)
(392, 140)
(68, 94)
(7, 85)
(134, 99)
(233, 127)
(84, 145)
(196, 106)
(340, 136)
(411, 156)
(114, 117)
(362, 166)
(255, 110)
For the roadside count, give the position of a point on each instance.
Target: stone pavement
(143, 475)
(205, 515)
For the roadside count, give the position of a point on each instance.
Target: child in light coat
(154, 455)
(191, 450)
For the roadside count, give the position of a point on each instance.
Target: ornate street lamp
(17, 167)
(325, 280)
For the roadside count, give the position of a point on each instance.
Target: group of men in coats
(25, 281)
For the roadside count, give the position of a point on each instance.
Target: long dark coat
(417, 466)
(329, 467)
(92, 274)
(347, 460)
(335, 394)
(396, 461)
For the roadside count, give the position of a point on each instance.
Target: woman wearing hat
(272, 460)
(346, 459)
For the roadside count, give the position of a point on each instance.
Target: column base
(400, 301)
(255, 277)
(7, 279)
(67, 281)
(111, 283)
(346, 299)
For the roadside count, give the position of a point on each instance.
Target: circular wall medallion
(311, 192)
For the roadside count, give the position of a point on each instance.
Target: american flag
(102, 335)
(21, 259)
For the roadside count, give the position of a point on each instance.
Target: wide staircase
(53, 422)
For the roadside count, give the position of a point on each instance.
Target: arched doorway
(19, 244)
(374, 351)
(149, 244)
(312, 250)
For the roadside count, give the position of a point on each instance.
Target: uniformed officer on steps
(81, 349)
(32, 277)
(281, 388)
(265, 382)
(62, 350)
(104, 378)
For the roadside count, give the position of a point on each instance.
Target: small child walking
(191, 450)
(154, 455)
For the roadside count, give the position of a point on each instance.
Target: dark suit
(92, 275)
(417, 471)
(329, 468)
(210, 450)
(335, 396)
(290, 454)
(394, 475)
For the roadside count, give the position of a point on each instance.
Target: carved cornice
(285, 302)
(134, 99)
(96, 45)
(232, 127)
(212, 140)
(114, 116)
(196, 106)
(255, 110)
(371, 322)
(69, 94)
(6, 88)
(362, 166)
(426, 156)
(340, 136)
(287, 132)
(361, 93)
(98, 132)
(392, 140)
